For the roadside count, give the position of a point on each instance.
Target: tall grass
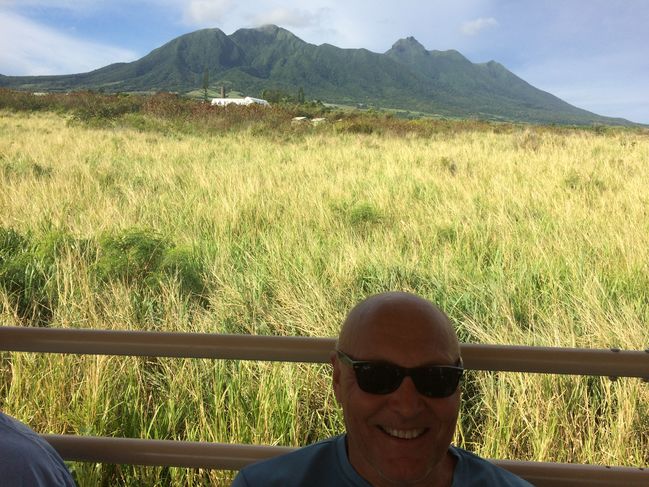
(524, 236)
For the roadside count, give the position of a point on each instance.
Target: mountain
(406, 77)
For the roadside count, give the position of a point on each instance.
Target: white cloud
(39, 50)
(474, 27)
(205, 12)
(289, 17)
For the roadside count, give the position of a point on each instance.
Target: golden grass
(533, 237)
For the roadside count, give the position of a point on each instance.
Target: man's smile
(403, 434)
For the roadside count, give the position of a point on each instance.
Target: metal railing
(547, 360)
(225, 456)
(551, 360)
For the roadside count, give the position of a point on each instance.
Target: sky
(590, 53)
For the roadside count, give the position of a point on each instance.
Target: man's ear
(335, 377)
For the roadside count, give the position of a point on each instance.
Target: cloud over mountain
(474, 27)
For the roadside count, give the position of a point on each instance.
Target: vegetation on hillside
(407, 77)
(159, 213)
(170, 112)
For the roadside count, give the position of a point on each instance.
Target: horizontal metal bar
(190, 454)
(550, 360)
(165, 344)
(556, 360)
(225, 456)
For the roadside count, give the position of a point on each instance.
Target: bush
(141, 259)
(358, 214)
(93, 107)
(11, 243)
(364, 214)
(167, 105)
(26, 277)
(356, 127)
(130, 257)
(144, 260)
(24, 101)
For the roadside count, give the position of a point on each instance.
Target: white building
(248, 100)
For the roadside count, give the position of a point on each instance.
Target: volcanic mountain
(406, 77)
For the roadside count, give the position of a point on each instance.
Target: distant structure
(248, 100)
(304, 120)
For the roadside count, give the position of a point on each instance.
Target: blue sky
(591, 53)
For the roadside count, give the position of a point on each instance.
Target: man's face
(401, 437)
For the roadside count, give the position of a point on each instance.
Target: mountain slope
(494, 90)
(406, 77)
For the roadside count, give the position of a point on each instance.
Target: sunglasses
(384, 378)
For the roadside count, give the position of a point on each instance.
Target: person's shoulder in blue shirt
(474, 470)
(326, 464)
(27, 460)
(323, 463)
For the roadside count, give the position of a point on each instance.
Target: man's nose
(406, 400)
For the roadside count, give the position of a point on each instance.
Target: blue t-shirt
(326, 464)
(27, 460)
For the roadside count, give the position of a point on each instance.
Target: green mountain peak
(268, 57)
(409, 44)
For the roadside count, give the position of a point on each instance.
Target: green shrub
(11, 243)
(357, 127)
(131, 256)
(108, 108)
(141, 259)
(364, 214)
(167, 105)
(23, 101)
(144, 260)
(26, 278)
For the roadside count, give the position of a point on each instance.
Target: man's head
(400, 437)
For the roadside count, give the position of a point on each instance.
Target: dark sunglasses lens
(436, 381)
(377, 378)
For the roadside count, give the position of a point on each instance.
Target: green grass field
(524, 235)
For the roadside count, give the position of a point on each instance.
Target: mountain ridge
(406, 77)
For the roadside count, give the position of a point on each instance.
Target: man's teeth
(404, 434)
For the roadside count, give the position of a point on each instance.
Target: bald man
(396, 374)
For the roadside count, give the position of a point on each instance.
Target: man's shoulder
(321, 463)
(17, 439)
(474, 470)
(27, 459)
(307, 453)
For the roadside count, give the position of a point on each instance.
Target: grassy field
(524, 235)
